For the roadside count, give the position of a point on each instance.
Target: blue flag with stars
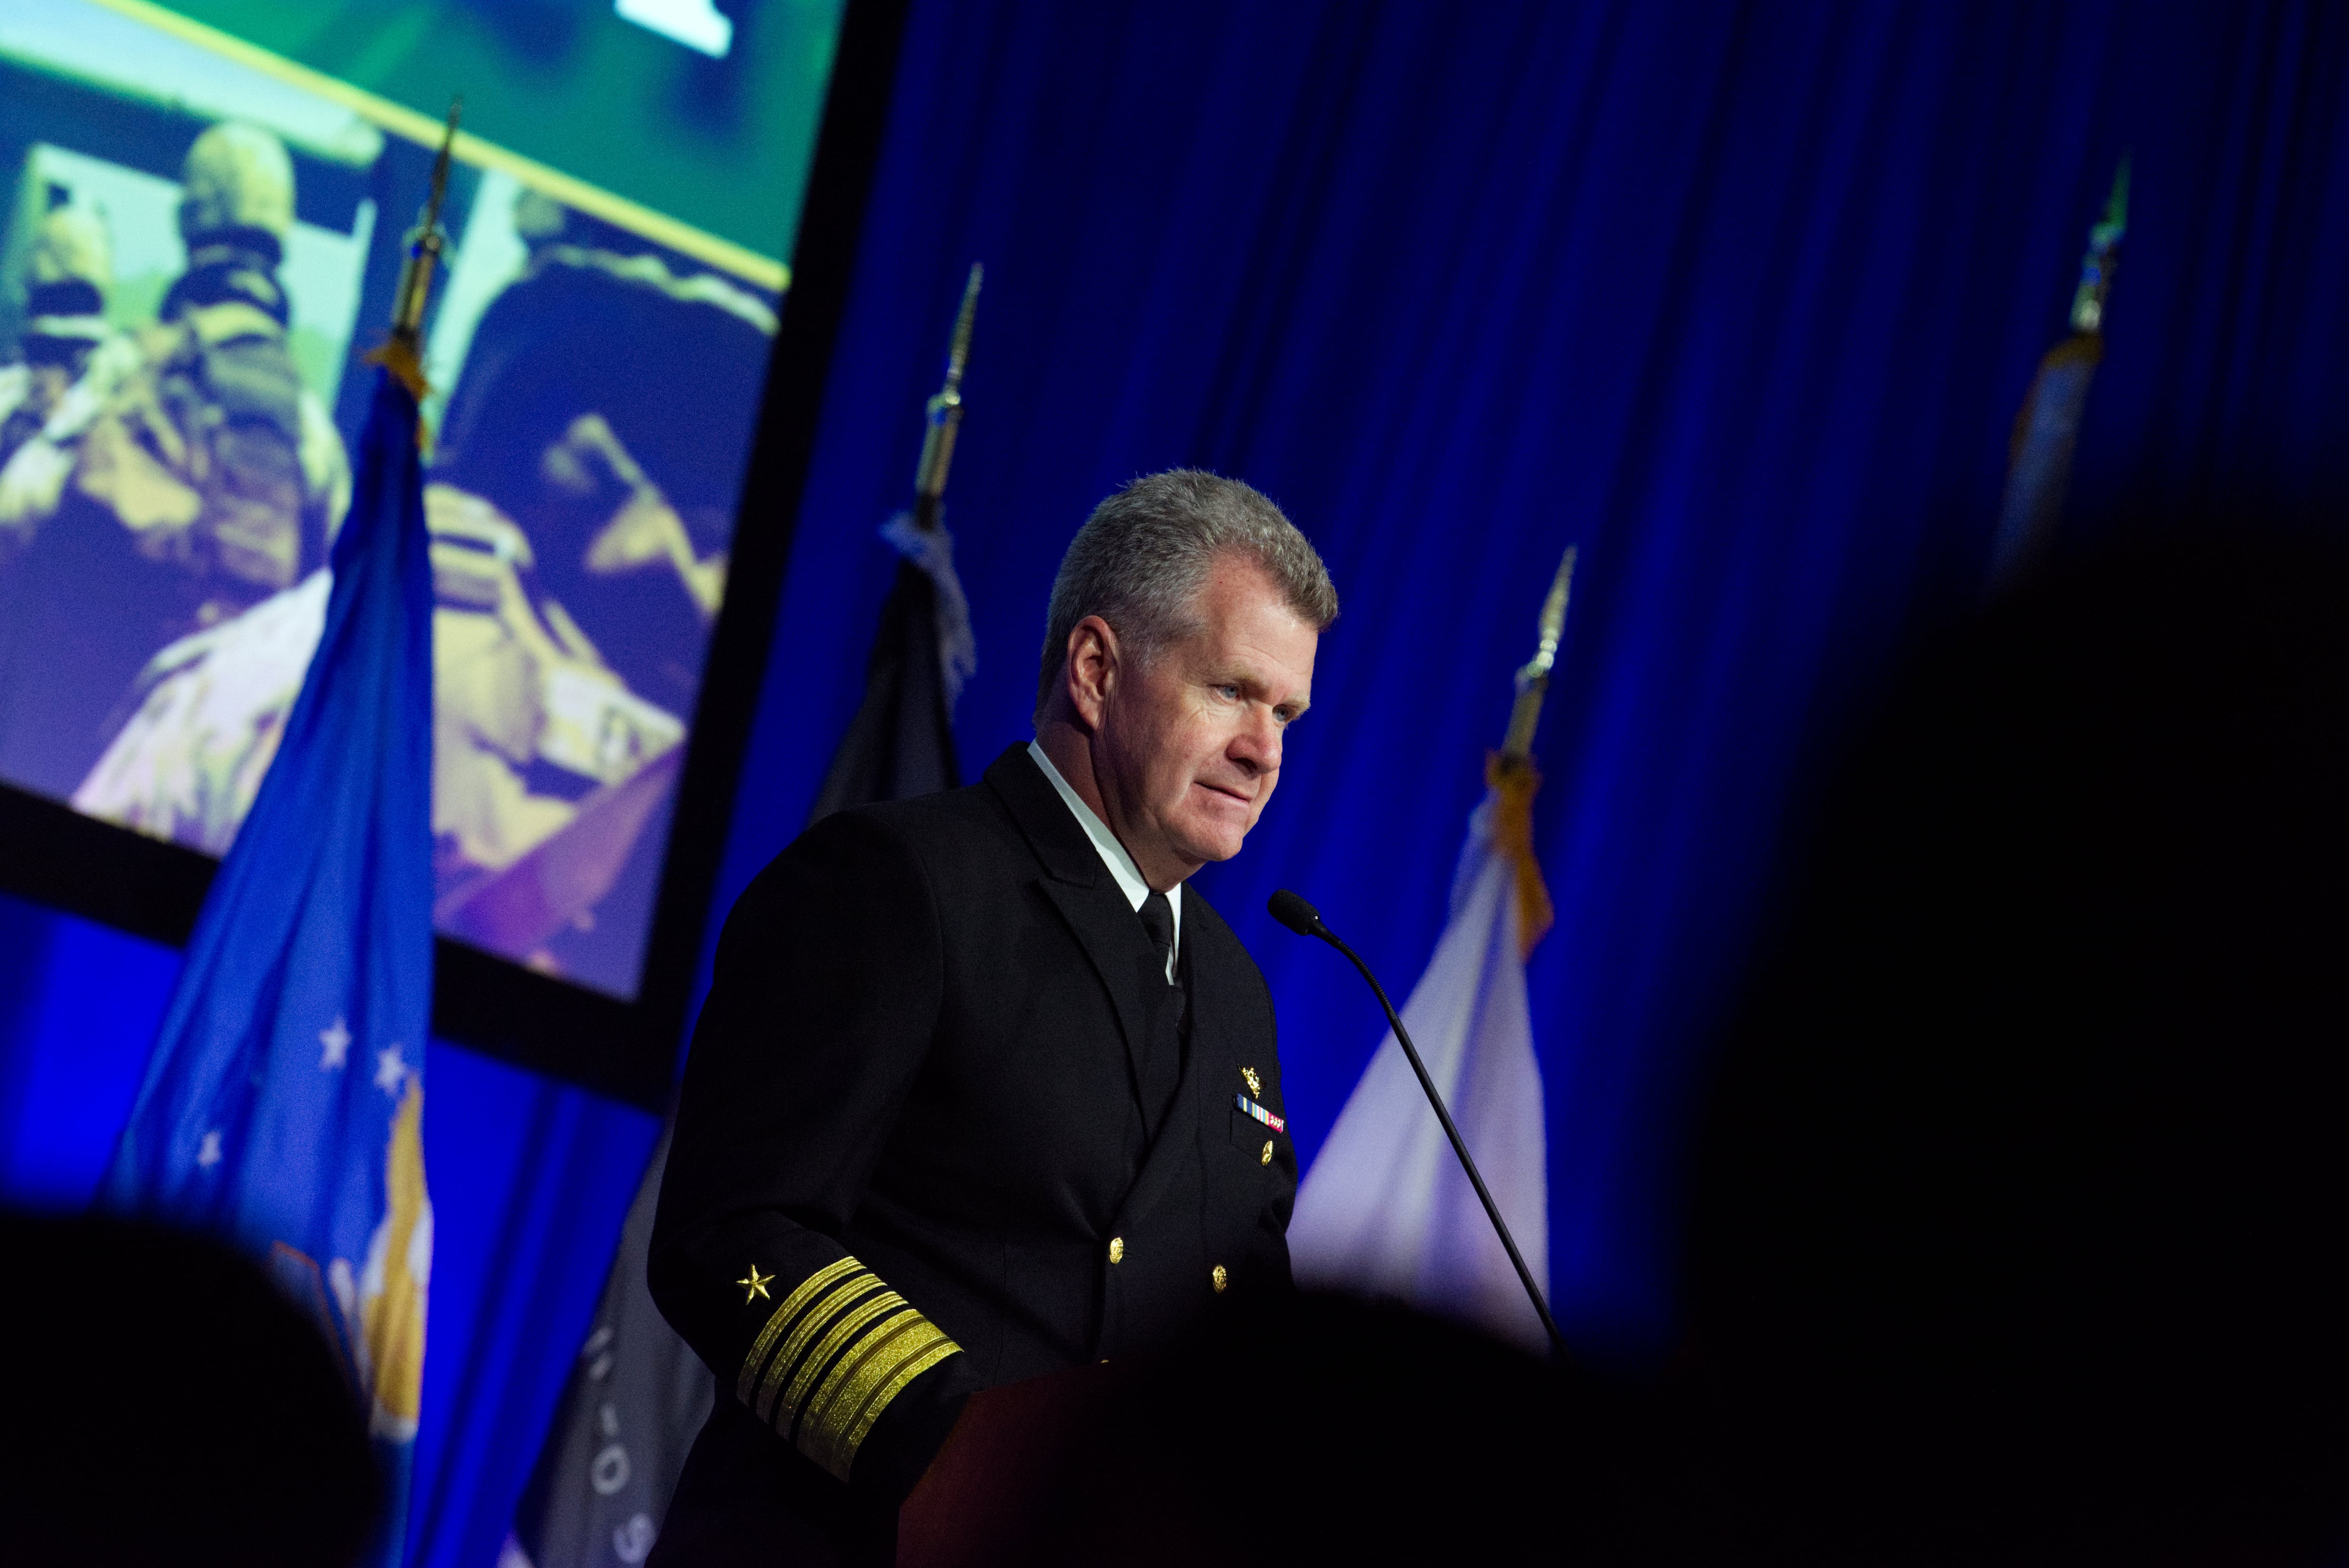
(283, 1106)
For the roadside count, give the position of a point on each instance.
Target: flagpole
(944, 414)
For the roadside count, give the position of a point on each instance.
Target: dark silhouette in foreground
(2018, 1227)
(1301, 1428)
(168, 1404)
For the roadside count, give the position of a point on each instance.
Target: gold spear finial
(1533, 678)
(2104, 247)
(403, 355)
(946, 412)
(959, 352)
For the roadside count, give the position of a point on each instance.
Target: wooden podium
(1315, 1429)
(999, 1490)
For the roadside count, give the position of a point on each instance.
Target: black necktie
(1162, 1059)
(1157, 913)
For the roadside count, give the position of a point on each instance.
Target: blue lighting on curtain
(1742, 298)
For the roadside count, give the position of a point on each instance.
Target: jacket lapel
(1082, 888)
(1209, 950)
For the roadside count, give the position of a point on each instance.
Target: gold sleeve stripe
(809, 1288)
(908, 1353)
(832, 1357)
(848, 1328)
(823, 1311)
(825, 1420)
(925, 1352)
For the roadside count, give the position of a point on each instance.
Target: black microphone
(1306, 921)
(1297, 915)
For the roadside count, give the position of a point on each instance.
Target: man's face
(1190, 739)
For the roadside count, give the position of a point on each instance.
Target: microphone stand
(1533, 684)
(1302, 918)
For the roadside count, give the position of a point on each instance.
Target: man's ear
(1091, 668)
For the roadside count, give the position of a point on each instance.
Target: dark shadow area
(168, 1404)
(1314, 1429)
(2016, 1222)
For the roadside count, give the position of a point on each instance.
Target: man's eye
(1228, 691)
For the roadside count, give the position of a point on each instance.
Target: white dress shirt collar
(1113, 854)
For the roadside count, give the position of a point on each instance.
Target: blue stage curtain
(1740, 297)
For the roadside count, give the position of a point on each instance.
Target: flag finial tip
(2104, 247)
(958, 351)
(945, 411)
(1533, 677)
(402, 354)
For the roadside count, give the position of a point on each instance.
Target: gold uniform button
(1219, 1278)
(1117, 1249)
(1266, 1158)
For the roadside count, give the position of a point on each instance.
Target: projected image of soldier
(69, 269)
(607, 407)
(186, 477)
(581, 507)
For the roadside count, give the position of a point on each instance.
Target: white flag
(1386, 1209)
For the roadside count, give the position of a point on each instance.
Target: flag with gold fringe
(283, 1106)
(1385, 1209)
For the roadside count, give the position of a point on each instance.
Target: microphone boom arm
(1288, 908)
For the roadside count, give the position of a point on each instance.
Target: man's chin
(1206, 848)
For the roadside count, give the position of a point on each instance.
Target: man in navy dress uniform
(982, 1090)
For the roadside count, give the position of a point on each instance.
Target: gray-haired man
(982, 1092)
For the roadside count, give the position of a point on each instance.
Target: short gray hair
(1141, 558)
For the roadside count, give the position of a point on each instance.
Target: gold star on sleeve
(754, 1285)
(834, 1352)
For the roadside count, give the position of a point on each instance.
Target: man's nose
(1257, 747)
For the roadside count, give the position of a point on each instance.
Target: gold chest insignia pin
(1255, 1084)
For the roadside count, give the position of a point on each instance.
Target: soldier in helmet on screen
(180, 483)
(578, 514)
(67, 271)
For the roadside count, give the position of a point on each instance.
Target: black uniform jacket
(913, 1157)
